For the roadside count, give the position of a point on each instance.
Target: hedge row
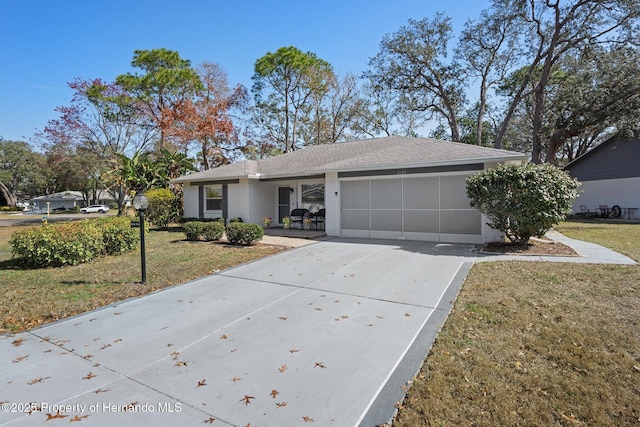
(223, 220)
(237, 232)
(73, 243)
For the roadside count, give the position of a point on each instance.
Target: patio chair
(605, 211)
(318, 218)
(586, 212)
(298, 215)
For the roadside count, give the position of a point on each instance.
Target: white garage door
(431, 208)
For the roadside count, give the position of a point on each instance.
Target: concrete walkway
(326, 334)
(588, 253)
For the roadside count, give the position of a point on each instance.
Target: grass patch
(538, 344)
(31, 297)
(620, 237)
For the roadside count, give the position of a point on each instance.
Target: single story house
(70, 199)
(609, 174)
(393, 187)
(61, 200)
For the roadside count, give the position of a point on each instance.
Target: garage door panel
(386, 220)
(460, 222)
(386, 194)
(356, 219)
(421, 221)
(355, 195)
(431, 208)
(453, 194)
(420, 193)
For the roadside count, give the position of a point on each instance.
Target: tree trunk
(481, 108)
(10, 197)
(286, 121)
(512, 108)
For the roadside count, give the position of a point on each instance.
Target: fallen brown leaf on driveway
(57, 415)
(246, 399)
(37, 380)
(18, 341)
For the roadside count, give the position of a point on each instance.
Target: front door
(284, 201)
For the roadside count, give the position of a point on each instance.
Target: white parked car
(95, 208)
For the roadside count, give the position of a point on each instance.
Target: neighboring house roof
(73, 195)
(63, 195)
(370, 154)
(613, 159)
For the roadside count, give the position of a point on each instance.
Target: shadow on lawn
(88, 282)
(18, 264)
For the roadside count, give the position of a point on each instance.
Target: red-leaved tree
(204, 122)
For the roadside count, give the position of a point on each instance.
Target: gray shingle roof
(378, 153)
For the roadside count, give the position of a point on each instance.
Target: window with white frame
(213, 197)
(313, 197)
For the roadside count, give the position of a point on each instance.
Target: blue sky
(46, 43)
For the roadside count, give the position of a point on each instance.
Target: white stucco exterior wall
(262, 201)
(190, 194)
(238, 200)
(332, 204)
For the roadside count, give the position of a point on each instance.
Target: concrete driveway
(325, 334)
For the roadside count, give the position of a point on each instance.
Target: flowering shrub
(522, 200)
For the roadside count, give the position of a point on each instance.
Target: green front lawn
(31, 297)
(539, 344)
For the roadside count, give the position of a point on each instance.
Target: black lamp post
(141, 203)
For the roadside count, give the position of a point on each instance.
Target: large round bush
(522, 200)
(162, 208)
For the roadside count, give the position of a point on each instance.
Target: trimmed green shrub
(244, 233)
(162, 207)
(184, 220)
(197, 230)
(522, 200)
(60, 244)
(73, 243)
(193, 230)
(117, 235)
(235, 219)
(212, 230)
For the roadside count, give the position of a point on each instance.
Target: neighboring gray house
(62, 200)
(69, 200)
(393, 187)
(609, 174)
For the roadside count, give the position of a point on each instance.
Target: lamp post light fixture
(141, 203)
